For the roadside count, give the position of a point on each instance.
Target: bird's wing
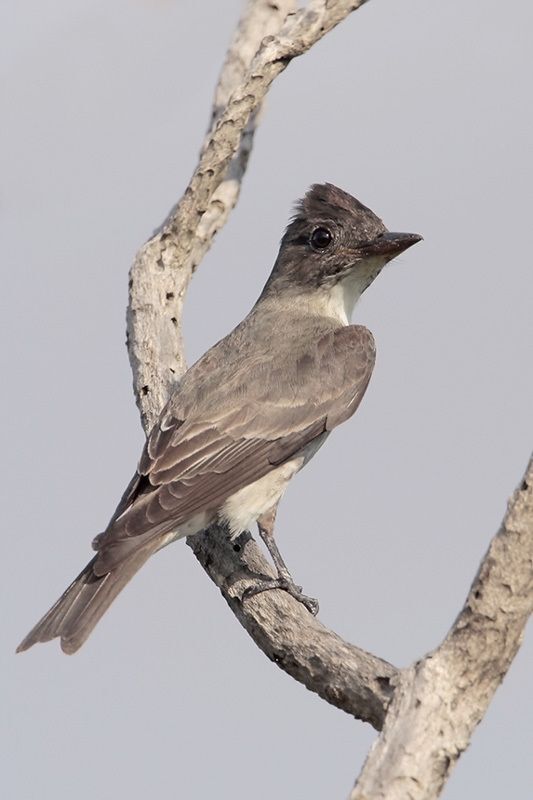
(195, 462)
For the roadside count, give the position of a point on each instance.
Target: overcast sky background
(420, 110)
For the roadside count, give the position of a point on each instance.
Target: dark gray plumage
(251, 411)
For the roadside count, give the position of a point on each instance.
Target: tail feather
(79, 608)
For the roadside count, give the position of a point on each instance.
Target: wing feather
(202, 451)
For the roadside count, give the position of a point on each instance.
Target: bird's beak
(390, 245)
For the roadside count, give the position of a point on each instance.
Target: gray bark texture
(439, 700)
(427, 712)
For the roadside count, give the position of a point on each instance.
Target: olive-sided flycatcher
(250, 413)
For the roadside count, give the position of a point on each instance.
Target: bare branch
(260, 19)
(351, 679)
(440, 700)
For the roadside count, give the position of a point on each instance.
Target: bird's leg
(265, 524)
(284, 581)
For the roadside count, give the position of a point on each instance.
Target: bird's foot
(288, 585)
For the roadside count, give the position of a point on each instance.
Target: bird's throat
(340, 299)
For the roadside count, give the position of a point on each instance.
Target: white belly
(241, 510)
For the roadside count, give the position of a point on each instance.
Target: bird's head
(334, 242)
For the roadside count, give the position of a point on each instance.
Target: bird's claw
(310, 603)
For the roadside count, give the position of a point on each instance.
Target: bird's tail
(80, 606)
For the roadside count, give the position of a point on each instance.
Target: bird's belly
(243, 508)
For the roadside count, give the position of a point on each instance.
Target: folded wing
(199, 455)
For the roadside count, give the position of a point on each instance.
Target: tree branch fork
(427, 712)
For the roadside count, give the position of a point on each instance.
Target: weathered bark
(439, 700)
(344, 675)
(428, 711)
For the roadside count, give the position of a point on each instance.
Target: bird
(250, 413)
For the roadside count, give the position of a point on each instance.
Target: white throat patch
(339, 301)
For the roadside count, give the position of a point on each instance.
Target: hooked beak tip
(392, 244)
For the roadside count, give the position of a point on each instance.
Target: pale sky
(421, 111)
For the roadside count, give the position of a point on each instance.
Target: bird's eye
(321, 238)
